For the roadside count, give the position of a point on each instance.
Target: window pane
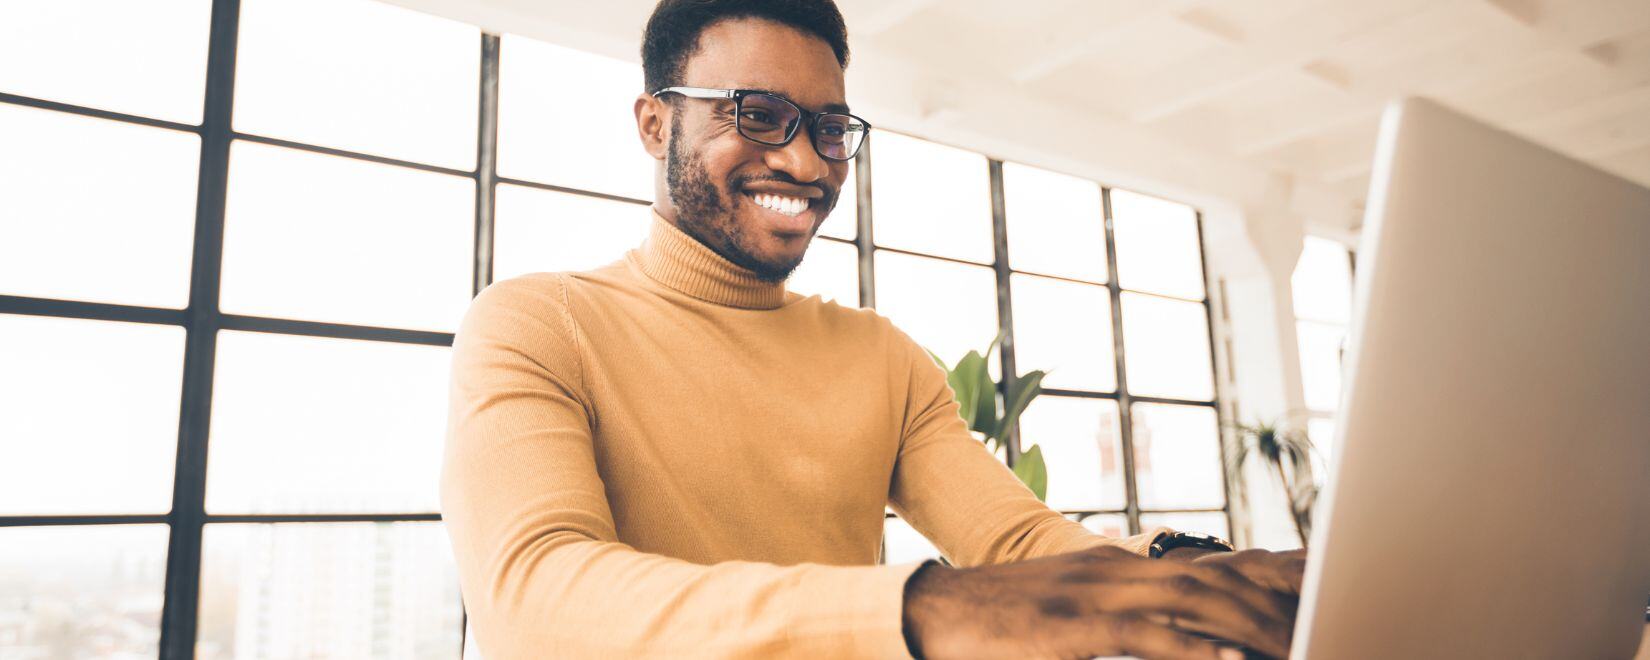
(57, 459)
(903, 544)
(1166, 344)
(1322, 282)
(365, 243)
(930, 198)
(843, 222)
(546, 231)
(1320, 345)
(566, 117)
(1115, 525)
(1322, 432)
(830, 269)
(1205, 522)
(140, 58)
(359, 75)
(94, 209)
(947, 307)
(1083, 448)
(1064, 328)
(1157, 245)
(1177, 457)
(82, 592)
(1055, 224)
(328, 590)
(321, 425)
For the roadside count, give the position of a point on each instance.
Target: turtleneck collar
(680, 262)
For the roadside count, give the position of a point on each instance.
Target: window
(239, 381)
(829, 269)
(365, 244)
(108, 448)
(299, 591)
(360, 76)
(1052, 224)
(138, 58)
(101, 591)
(317, 328)
(1085, 265)
(132, 193)
(948, 307)
(565, 118)
(539, 230)
(1322, 293)
(931, 198)
(325, 425)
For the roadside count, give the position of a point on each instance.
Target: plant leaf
(965, 383)
(1033, 472)
(986, 419)
(1022, 390)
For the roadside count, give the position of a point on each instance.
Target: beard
(704, 212)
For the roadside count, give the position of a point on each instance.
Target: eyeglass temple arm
(699, 92)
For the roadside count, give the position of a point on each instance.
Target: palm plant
(1278, 444)
(990, 417)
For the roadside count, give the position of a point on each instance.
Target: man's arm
(949, 487)
(542, 570)
(1034, 584)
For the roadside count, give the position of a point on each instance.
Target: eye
(758, 115)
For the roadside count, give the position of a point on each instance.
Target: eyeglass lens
(772, 120)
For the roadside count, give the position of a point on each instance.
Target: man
(673, 456)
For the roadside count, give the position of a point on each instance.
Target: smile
(791, 206)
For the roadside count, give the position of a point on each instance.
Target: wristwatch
(1170, 540)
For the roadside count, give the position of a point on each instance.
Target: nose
(798, 158)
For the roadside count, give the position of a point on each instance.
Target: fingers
(1199, 607)
(1292, 570)
(1259, 594)
(1280, 571)
(1127, 634)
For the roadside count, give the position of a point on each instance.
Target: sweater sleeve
(540, 563)
(952, 490)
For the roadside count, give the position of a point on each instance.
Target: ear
(653, 124)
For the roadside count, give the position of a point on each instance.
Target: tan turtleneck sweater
(668, 457)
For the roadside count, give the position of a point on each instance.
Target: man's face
(715, 176)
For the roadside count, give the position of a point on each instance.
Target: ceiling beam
(1283, 46)
(1490, 75)
(1105, 23)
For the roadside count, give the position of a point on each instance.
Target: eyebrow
(828, 107)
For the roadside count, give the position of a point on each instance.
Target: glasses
(770, 119)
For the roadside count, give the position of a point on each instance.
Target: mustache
(826, 192)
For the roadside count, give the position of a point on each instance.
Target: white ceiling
(1299, 84)
(1239, 102)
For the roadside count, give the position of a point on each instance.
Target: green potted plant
(1279, 444)
(991, 417)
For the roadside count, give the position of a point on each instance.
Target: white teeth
(780, 203)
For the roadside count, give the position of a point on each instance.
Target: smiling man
(673, 455)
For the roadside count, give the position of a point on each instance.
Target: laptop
(1489, 489)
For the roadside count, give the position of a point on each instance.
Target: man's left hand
(1279, 571)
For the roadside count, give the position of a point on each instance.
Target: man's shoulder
(863, 325)
(550, 288)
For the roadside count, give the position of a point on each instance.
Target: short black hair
(673, 31)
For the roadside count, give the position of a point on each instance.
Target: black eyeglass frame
(806, 116)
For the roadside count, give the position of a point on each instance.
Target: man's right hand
(1097, 602)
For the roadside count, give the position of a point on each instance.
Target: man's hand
(1103, 601)
(1278, 571)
